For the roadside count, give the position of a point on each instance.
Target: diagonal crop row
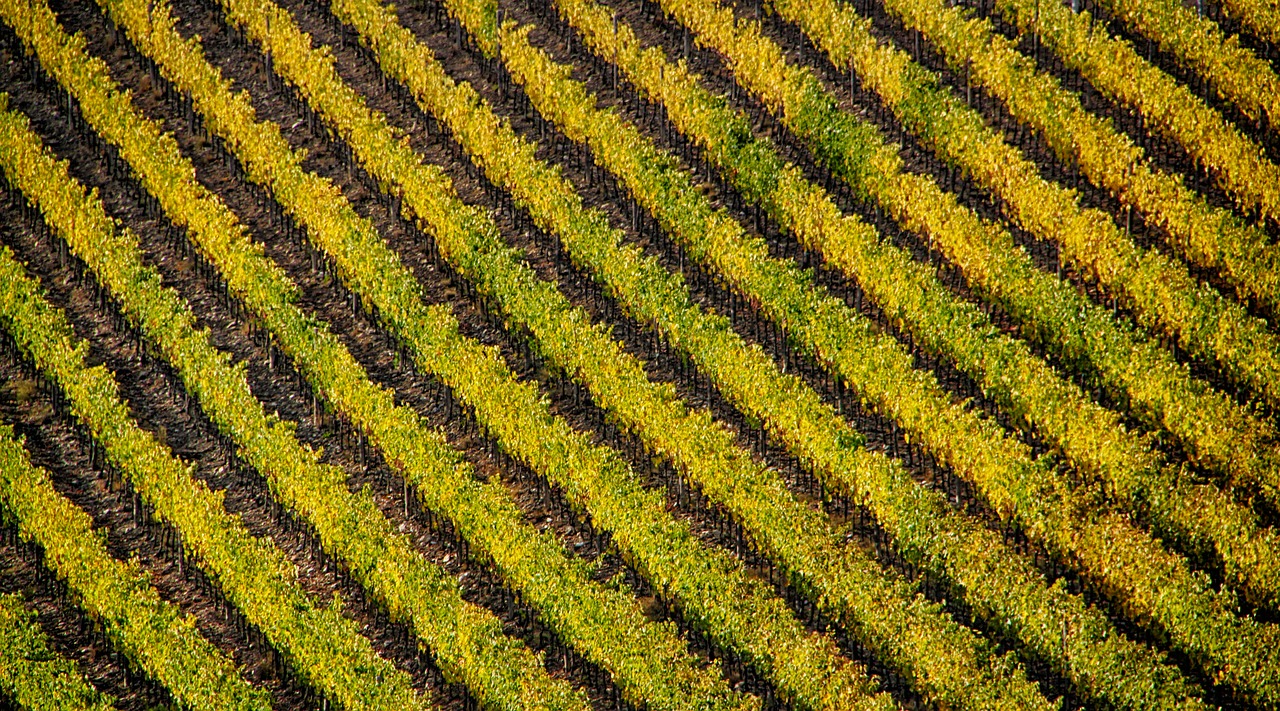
(1196, 617)
(1262, 17)
(651, 663)
(1213, 429)
(1158, 289)
(152, 633)
(1231, 526)
(32, 675)
(467, 641)
(1091, 437)
(635, 281)
(1238, 75)
(1115, 69)
(324, 647)
(508, 161)
(565, 335)
(712, 590)
(1201, 233)
(271, 163)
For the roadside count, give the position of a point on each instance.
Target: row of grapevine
(1115, 69)
(743, 373)
(658, 299)
(467, 641)
(1233, 527)
(1092, 437)
(566, 337)
(151, 633)
(1198, 618)
(1262, 17)
(1204, 235)
(1214, 430)
(1237, 74)
(323, 646)
(33, 676)
(331, 228)
(1158, 289)
(641, 286)
(650, 662)
(711, 589)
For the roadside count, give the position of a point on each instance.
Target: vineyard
(657, 355)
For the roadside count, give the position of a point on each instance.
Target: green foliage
(150, 632)
(608, 627)
(1201, 233)
(1238, 75)
(32, 675)
(1117, 71)
(1126, 562)
(467, 641)
(1160, 290)
(712, 589)
(325, 648)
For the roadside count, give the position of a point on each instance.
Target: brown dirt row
(155, 393)
(1043, 252)
(929, 471)
(866, 105)
(26, 403)
(379, 356)
(531, 131)
(565, 402)
(601, 86)
(1264, 134)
